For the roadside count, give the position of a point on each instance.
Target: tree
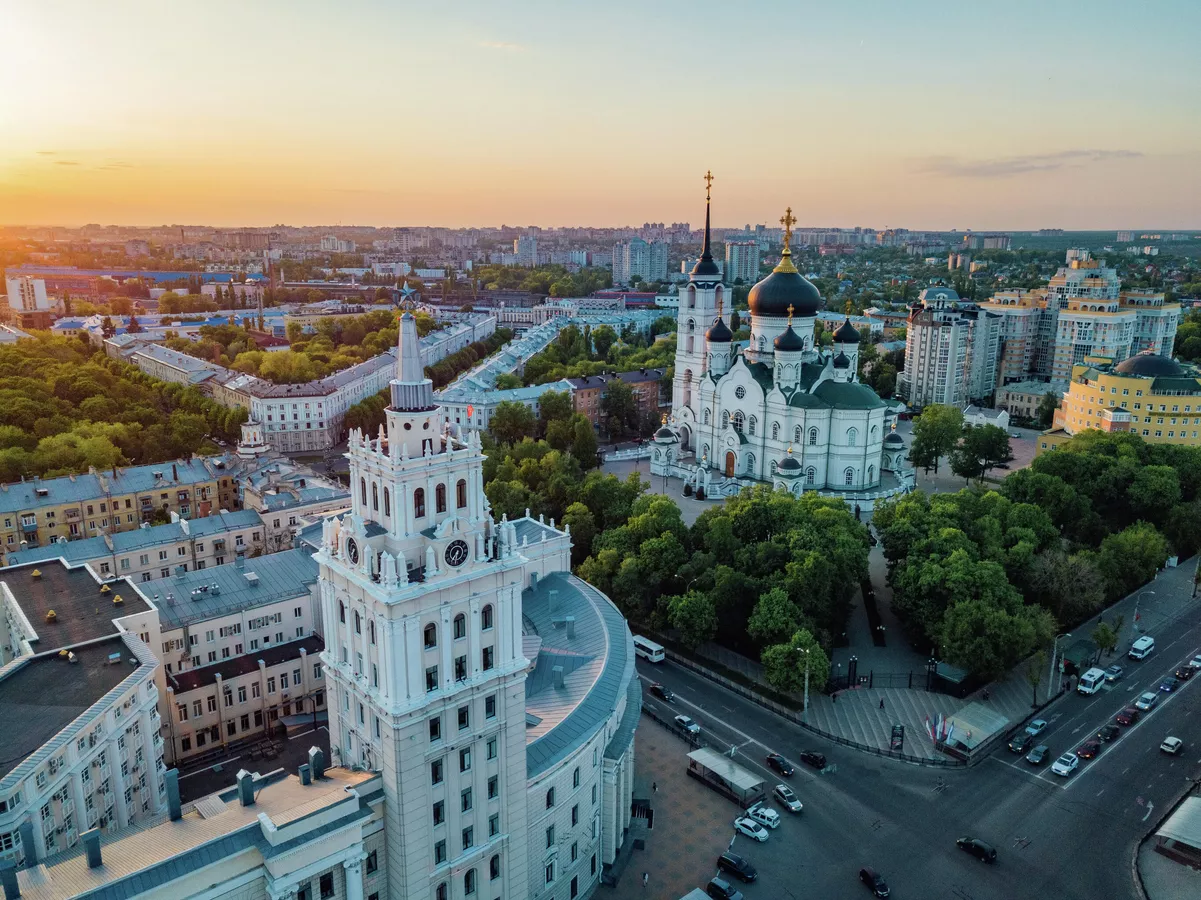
(619, 409)
(693, 616)
(554, 406)
(511, 421)
(1105, 638)
(579, 519)
(507, 380)
(784, 664)
(583, 447)
(775, 617)
(1131, 558)
(603, 337)
(1034, 674)
(935, 432)
(988, 639)
(979, 449)
(1045, 414)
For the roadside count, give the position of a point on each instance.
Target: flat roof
(1184, 825)
(42, 697)
(975, 723)
(82, 613)
(191, 679)
(720, 764)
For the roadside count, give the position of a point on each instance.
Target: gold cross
(788, 221)
(708, 183)
(790, 310)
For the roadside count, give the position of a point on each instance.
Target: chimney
(174, 472)
(556, 673)
(28, 845)
(317, 762)
(570, 627)
(306, 775)
(245, 788)
(91, 843)
(171, 777)
(240, 559)
(8, 877)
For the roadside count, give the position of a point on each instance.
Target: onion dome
(789, 341)
(785, 287)
(892, 439)
(719, 332)
(846, 333)
(665, 435)
(842, 361)
(1149, 365)
(789, 466)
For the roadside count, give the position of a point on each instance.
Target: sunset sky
(454, 112)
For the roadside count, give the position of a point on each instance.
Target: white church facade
(779, 409)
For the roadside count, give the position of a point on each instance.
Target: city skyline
(474, 115)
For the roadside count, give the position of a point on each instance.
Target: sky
(1014, 115)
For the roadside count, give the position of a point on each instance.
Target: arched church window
(363, 490)
(440, 498)
(375, 496)
(796, 435)
(852, 437)
(387, 502)
(812, 437)
(461, 493)
(871, 475)
(341, 612)
(739, 421)
(688, 376)
(875, 432)
(775, 431)
(762, 343)
(371, 630)
(750, 463)
(810, 475)
(431, 636)
(691, 325)
(705, 417)
(848, 477)
(774, 466)
(419, 503)
(705, 452)
(725, 419)
(751, 426)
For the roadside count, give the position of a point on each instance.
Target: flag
(929, 729)
(950, 731)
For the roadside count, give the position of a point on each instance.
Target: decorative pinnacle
(791, 309)
(788, 220)
(708, 183)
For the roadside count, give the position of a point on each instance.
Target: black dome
(1149, 364)
(892, 439)
(781, 289)
(665, 434)
(706, 268)
(842, 361)
(846, 333)
(789, 341)
(788, 464)
(719, 332)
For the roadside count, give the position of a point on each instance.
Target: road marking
(1100, 792)
(1150, 806)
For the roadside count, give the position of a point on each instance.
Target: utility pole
(805, 706)
(1051, 674)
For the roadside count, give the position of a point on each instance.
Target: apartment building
(951, 350)
(636, 257)
(587, 393)
(37, 511)
(151, 552)
(742, 262)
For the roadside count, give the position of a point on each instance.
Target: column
(354, 876)
(383, 646)
(279, 891)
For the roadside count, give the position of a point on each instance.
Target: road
(1072, 838)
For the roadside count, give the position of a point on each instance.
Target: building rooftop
(205, 594)
(596, 664)
(82, 611)
(44, 695)
(202, 676)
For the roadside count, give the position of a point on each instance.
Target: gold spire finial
(790, 449)
(663, 421)
(786, 264)
(720, 303)
(708, 183)
(791, 309)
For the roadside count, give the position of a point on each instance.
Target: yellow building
(1149, 395)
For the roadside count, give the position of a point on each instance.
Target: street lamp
(805, 707)
(1054, 651)
(1138, 626)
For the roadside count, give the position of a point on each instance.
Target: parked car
(874, 880)
(1089, 749)
(1036, 727)
(1065, 765)
(1114, 673)
(1195, 662)
(1184, 673)
(788, 798)
(686, 724)
(720, 889)
(764, 815)
(1128, 716)
(1108, 733)
(977, 848)
(813, 758)
(1038, 755)
(1172, 745)
(1021, 742)
(779, 764)
(1146, 700)
(738, 866)
(1169, 684)
(663, 693)
(750, 828)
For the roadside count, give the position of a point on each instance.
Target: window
(575, 851)
(440, 856)
(494, 825)
(493, 787)
(775, 431)
(812, 437)
(358, 623)
(341, 612)
(431, 679)
(460, 668)
(486, 618)
(372, 862)
(460, 626)
(468, 838)
(848, 476)
(419, 503)
(550, 836)
(439, 813)
(594, 795)
(575, 887)
(490, 706)
(436, 728)
(852, 438)
(465, 759)
(431, 636)
(469, 882)
(436, 770)
(550, 798)
(363, 490)
(464, 717)
(575, 777)
(750, 425)
(440, 498)
(326, 885)
(461, 494)
(739, 421)
(740, 392)
(491, 748)
(494, 867)
(550, 872)
(374, 496)
(575, 814)
(487, 658)
(465, 800)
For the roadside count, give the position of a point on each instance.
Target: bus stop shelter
(725, 776)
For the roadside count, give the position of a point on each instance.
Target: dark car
(663, 693)
(977, 848)
(874, 880)
(720, 889)
(1128, 716)
(737, 866)
(779, 764)
(1184, 673)
(1021, 742)
(1108, 733)
(813, 758)
(1038, 755)
(1089, 749)
(1169, 684)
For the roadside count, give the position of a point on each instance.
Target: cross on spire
(790, 311)
(788, 220)
(708, 183)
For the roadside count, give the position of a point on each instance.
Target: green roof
(1175, 384)
(761, 372)
(844, 395)
(802, 400)
(810, 372)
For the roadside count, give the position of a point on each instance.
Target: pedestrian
(834, 696)
(881, 703)
(654, 787)
(646, 876)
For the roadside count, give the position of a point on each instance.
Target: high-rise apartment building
(742, 262)
(951, 350)
(525, 248)
(636, 257)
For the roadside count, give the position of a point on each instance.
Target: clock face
(456, 553)
(352, 552)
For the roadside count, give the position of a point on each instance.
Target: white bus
(648, 649)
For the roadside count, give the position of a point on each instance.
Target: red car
(1128, 716)
(1089, 749)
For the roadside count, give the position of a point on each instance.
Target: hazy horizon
(1074, 116)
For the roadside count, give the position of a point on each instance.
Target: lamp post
(805, 706)
(1051, 674)
(1138, 626)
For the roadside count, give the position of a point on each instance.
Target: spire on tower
(705, 266)
(411, 390)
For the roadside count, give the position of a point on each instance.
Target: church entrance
(729, 464)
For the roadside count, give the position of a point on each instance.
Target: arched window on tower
(725, 419)
(848, 477)
(796, 435)
(375, 496)
(750, 429)
(363, 490)
(419, 503)
(486, 618)
(762, 343)
(387, 502)
(461, 494)
(691, 326)
(460, 626)
(775, 431)
(810, 475)
(739, 421)
(812, 437)
(852, 437)
(705, 417)
(875, 433)
(871, 475)
(440, 498)
(750, 463)
(431, 636)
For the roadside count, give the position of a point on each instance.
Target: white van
(1142, 648)
(1091, 681)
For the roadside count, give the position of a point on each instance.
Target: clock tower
(421, 605)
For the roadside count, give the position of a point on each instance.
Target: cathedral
(778, 409)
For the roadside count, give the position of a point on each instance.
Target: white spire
(408, 360)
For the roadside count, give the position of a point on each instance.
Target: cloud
(116, 165)
(1006, 166)
(65, 162)
(46, 152)
(501, 45)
